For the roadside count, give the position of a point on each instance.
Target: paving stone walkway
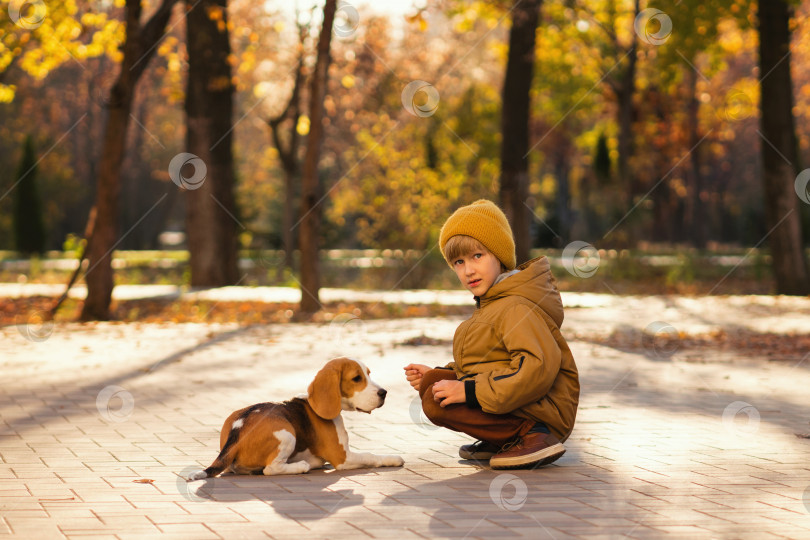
(98, 424)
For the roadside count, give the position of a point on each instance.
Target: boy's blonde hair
(461, 245)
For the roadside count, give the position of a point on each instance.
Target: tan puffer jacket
(514, 352)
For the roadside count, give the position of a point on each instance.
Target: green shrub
(682, 272)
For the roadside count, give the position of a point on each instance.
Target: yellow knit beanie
(485, 222)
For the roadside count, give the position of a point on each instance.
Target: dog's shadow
(302, 497)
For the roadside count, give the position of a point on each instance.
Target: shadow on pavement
(485, 502)
(300, 497)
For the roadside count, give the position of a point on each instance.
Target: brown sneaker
(531, 450)
(479, 450)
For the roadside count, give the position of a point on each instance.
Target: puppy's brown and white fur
(304, 432)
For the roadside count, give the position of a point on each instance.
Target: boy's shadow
(302, 497)
(479, 502)
(487, 503)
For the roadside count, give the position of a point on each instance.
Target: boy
(513, 384)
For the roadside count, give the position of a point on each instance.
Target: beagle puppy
(303, 433)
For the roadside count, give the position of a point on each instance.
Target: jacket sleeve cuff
(469, 392)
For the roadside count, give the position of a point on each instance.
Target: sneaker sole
(476, 456)
(537, 459)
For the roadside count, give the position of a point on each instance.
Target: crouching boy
(513, 384)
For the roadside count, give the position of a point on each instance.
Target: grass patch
(652, 271)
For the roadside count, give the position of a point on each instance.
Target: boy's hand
(447, 392)
(414, 372)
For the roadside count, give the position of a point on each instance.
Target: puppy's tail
(222, 462)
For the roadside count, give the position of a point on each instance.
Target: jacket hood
(534, 282)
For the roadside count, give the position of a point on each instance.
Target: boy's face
(477, 271)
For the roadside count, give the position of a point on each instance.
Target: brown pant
(495, 428)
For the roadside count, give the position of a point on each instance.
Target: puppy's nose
(382, 392)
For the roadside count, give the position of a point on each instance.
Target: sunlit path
(663, 447)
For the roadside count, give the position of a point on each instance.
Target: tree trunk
(309, 233)
(696, 219)
(139, 47)
(562, 170)
(211, 222)
(514, 186)
(665, 201)
(29, 226)
(780, 150)
(625, 90)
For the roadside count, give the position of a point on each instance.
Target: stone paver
(99, 422)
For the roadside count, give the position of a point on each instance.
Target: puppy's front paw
(392, 461)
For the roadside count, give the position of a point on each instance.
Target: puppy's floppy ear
(324, 392)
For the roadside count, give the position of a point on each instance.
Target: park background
(632, 139)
